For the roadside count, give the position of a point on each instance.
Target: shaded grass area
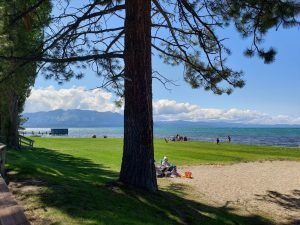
(69, 181)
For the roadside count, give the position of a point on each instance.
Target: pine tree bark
(13, 137)
(138, 167)
(10, 121)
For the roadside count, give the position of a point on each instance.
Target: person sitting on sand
(167, 168)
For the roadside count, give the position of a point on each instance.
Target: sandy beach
(270, 188)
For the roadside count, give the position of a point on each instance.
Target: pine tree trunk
(12, 128)
(138, 154)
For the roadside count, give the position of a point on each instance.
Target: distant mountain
(217, 124)
(88, 118)
(73, 118)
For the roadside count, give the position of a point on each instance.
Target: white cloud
(49, 98)
(169, 110)
(165, 106)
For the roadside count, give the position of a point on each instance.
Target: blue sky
(271, 90)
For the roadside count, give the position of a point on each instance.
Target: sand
(270, 189)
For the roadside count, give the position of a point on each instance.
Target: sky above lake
(271, 94)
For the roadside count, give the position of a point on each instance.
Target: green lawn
(69, 182)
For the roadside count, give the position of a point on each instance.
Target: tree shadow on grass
(77, 188)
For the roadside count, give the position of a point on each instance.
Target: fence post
(2, 159)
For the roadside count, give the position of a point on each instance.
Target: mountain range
(72, 118)
(76, 118)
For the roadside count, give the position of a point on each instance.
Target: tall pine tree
(117, 38)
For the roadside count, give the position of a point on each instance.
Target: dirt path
(269, 189)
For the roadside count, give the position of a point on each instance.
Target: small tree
(117, 39)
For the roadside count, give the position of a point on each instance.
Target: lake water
(260, 136)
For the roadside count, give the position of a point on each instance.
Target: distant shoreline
(284, 137)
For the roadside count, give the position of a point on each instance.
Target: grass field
(66, 181)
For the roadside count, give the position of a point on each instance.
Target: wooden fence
(25, 141)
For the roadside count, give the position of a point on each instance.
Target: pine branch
(64, 60)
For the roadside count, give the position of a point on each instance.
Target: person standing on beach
(218, 140)
(229, 138)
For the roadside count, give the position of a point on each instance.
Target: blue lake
(260, 136)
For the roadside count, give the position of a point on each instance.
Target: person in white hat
(168, 168)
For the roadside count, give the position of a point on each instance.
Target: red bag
(188, 174)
